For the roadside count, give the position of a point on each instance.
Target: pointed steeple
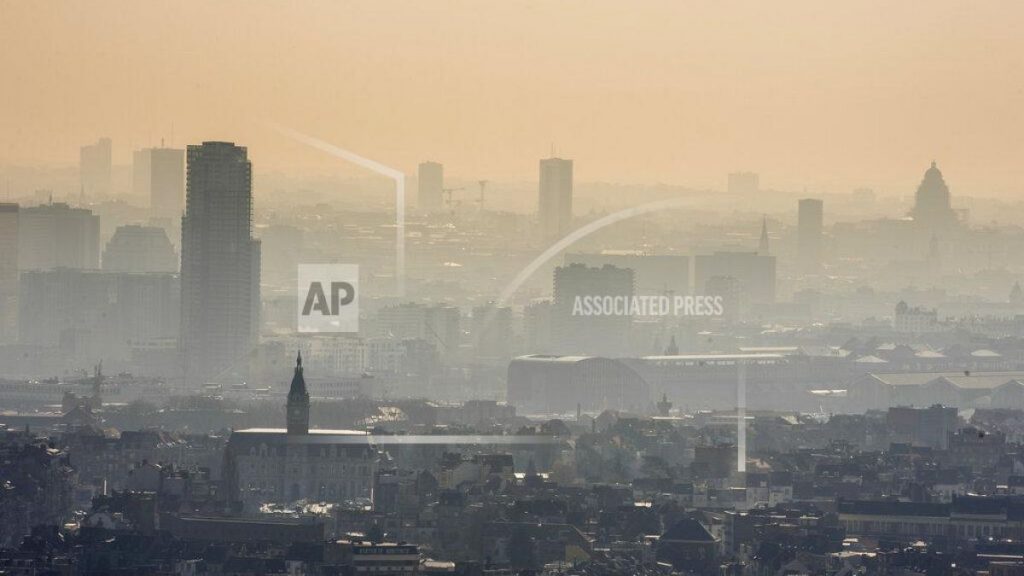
(1016, 294)
(664, 406)
(298, 401)
(673, 348)
(762, 246)
(298, 389)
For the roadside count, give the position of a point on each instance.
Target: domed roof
(932, 202)
(933, 179)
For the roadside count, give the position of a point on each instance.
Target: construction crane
(448, 195)
(483, 185)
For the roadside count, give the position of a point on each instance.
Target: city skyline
(873, 96)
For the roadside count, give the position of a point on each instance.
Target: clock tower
(298, 402)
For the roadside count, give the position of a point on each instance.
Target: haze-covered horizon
(824, 97)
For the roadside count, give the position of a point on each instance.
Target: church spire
(762, 246)
(298, 401)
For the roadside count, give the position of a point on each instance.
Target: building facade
(284, 465)
(58, 236)
(158, 175)
(8, 273)
(603, 334)
(430, 186)
(140, 249)
(810, 216)
(220, 265)
(555, 203)
(94, 166)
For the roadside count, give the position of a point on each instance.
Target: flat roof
(686, 357)
(354, 437)
(976, 380)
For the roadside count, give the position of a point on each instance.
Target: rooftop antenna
(483, 184)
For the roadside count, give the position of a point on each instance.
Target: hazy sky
(824, 94)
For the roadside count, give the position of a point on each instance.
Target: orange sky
(825, 95)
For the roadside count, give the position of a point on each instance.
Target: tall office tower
(94, 168)
(430, 187)
(58, 236)
(554, 208)
(744, 183)
(932, 211)
(220, 264)
(8, 273)
(809, 225)
(140, 249)
(576, 330)
(159, 175)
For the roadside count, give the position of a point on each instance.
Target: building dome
(932, 202)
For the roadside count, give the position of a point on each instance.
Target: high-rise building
(809, 226)
(159, 175)
(58, 236)
(140, 249)
(744, 183)
(430, 186)
(554, 208)
(573, 329)
(94, 168)
(8, 273)
(932, 209)
(220, 264)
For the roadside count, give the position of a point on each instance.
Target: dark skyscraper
(220, 264)
(810, 216)
(555, 203)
